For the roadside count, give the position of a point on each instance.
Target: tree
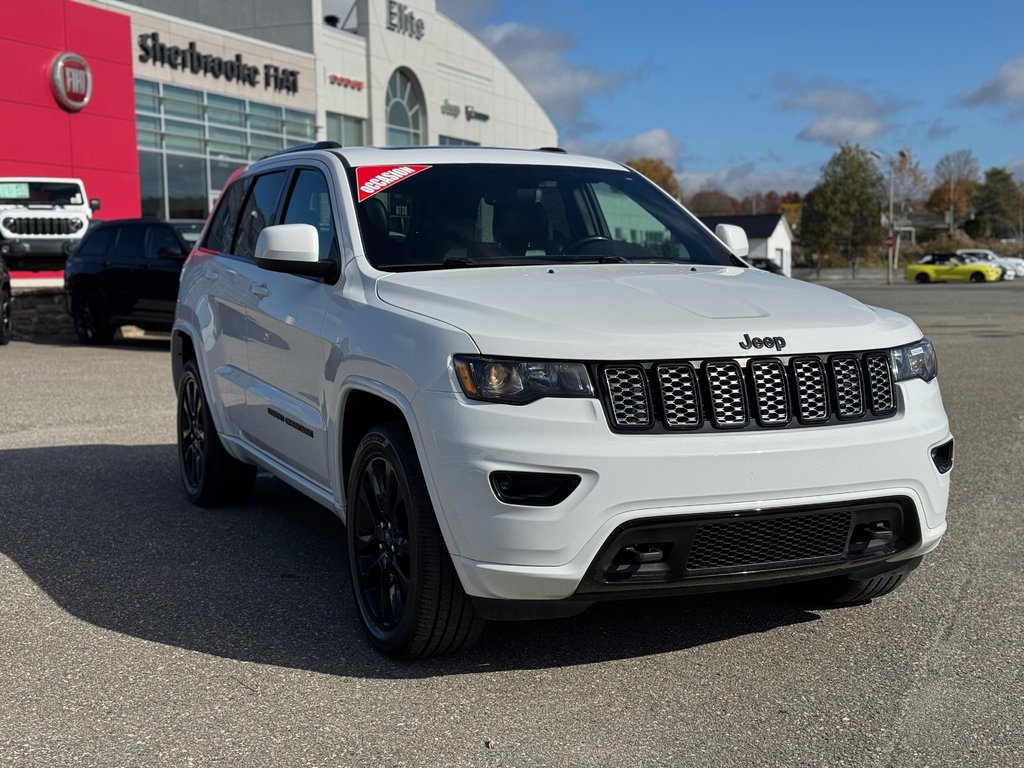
(956, 178)
(714, 202)
(996, 205)
(842, 214)
(659, 172)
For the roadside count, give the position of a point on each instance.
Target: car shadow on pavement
(110, 537)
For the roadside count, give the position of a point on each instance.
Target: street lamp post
(894, 236)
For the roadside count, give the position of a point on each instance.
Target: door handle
(259, 289)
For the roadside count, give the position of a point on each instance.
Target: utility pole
(952, 210)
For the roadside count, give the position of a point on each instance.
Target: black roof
(758, 226)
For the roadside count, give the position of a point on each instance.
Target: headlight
(518, 382)
(915, 361)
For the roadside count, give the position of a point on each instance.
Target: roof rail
(559, 150)
(304, 148)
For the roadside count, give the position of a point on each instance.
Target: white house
(769, 234)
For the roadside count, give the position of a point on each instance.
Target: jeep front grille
(29, 226)
(748, 393)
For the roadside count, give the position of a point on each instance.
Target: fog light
(533, 489)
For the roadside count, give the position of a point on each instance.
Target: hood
(641, 311)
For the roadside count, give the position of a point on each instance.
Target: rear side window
(96, 243)
(160, 237)
(222, 228)
(129, 246)
(258, 212)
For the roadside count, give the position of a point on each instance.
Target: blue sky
(752, 96)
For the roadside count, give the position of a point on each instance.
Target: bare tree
(956, 179)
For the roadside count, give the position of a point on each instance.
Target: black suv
(5, 304)
(126, 273)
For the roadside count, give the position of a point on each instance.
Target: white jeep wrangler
(528, 381)
(41, 220)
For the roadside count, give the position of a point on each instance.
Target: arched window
(405, 114)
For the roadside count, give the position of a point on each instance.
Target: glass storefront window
(225, 110)
(346, 130)
(183, 102)
(151, 184)
(404, 109)
(147, 96)
(198, 139)
(299, 125)
(187, 188)
(451, 141)
(263, 117)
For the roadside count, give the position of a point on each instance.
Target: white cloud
(537, 57)
(1007, 87)
(656, 142)
(839, 129)
(740, 179)
(468, 13)
(841, 114)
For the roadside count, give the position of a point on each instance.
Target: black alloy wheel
(921, 277)
(409, 597)
(977, 277)
(87, 318)
(6, 329)
(209, 474)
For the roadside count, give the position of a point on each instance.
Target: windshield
(499, 215)
(40, 193)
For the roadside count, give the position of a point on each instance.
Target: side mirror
(94, 203)
(292, 248)
(734, 237)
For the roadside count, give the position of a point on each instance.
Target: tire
(6, 327)
(409, 597)
(977, 277)
(843, 590)
(921, 277)
(210, 475)
(91, 325)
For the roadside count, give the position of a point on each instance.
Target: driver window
(310, 203)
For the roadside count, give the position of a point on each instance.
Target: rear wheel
(211, 475)
(408, 594)
(921, 277)
(91, 325)
(5, 316)
(977, 277)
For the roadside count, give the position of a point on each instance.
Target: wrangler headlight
(518, 382)
(915, 361)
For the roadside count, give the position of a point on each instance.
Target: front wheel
(210, 474)
(6, 328)
(977, 277)
(409, 597)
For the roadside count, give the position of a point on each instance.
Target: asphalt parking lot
(137, 630)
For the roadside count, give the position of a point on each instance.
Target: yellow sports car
(942, 268)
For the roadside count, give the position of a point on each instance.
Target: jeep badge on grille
(763, 342)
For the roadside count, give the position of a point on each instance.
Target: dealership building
(155, 103)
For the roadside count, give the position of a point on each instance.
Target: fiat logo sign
(71, 81)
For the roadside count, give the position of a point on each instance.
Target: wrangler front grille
(748, 393)
(32, 226)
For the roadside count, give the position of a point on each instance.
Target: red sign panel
(371, 179)
(890, 241)
(71, 81)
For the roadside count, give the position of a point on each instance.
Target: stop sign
(890, 241)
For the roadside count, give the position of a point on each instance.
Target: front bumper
(514, 552)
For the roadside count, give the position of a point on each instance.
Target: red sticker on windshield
(372, 179)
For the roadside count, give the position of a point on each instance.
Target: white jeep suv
(528, 381)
